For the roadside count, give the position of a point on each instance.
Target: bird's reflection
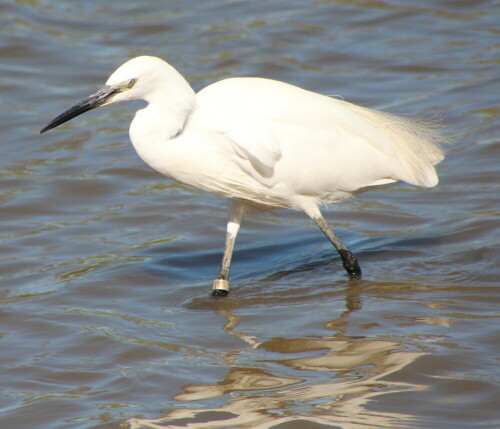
(353, 370)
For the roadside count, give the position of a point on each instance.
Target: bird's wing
(327, 142)
(255, 141)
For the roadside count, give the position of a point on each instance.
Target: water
(105, 266)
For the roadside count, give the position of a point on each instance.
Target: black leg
(348, 259)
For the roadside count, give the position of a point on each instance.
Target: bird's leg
(348, 259)
(236, 212)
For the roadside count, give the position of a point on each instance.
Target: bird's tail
(415, 142)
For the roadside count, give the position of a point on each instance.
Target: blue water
(106, 266)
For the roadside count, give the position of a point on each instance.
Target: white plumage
(264, 143)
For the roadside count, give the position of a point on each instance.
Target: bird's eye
(131, 83)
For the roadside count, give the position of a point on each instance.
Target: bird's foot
(219, 292)
(220, 287)
(350, 264)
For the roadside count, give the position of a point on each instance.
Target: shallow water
(106, 266)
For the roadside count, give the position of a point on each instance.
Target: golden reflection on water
(257, 398)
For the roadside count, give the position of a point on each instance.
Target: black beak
(91, 102)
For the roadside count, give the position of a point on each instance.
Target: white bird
(265, 144)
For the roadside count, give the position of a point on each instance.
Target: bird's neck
(157, 125)
(164, 117)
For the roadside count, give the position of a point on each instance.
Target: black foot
(219, 292)
(350, 264)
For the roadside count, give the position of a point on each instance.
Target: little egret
(265, 144)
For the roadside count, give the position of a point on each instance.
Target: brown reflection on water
(353, 374)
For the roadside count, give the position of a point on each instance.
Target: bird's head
(138, 78)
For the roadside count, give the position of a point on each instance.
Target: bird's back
(295, 142)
